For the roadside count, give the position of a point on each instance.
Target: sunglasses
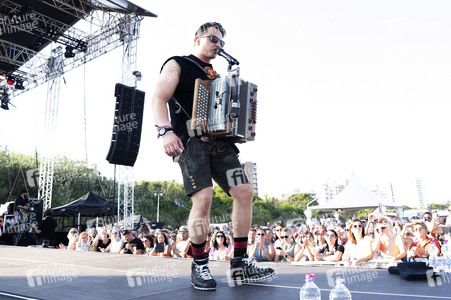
(261, 234)
(145, 241)
(220, 236)
(214, 39)
(383, 222)
(73, 231)
(427, 218)
(359, 226)
(284, 237)
(371, 233)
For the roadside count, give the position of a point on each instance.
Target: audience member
(263, 248)
(72, 237)
(161, 246)
(420, 247)
(117, 244)
(432, 226)
(390, 244)
(332, 250)
(83, 243)
(358, 248)
(182, 245)
(220, 250)
(101, 240)
(308, 249)
(289, 248)
(133, 244)
(148, 242)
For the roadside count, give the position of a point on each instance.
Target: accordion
(226, 108)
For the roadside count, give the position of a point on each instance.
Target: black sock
(240, 246)
(198, 250)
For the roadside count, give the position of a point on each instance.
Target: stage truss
(111, 23)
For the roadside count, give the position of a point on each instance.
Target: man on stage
(203, 158)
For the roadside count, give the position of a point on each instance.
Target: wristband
(164, 128)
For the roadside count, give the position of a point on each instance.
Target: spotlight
(19, 84)
(36, 44)
(69, 52)
(10, 80)
(2, 77)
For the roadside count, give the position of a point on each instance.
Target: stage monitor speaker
(128, 116)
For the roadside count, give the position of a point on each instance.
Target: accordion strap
(178, 105)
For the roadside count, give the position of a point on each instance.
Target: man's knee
(203, 199)
(242, 193)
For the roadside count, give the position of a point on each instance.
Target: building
(250, 169)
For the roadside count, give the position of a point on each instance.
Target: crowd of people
(351, 242)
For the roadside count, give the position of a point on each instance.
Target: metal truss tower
(126, 182)
(113, 23)
(55, 71)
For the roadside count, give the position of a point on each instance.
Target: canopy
(90, 204)
(353, 197)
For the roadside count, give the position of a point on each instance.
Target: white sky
(344, 87)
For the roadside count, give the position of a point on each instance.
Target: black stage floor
(37, 273)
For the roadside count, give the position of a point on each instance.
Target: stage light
(19, 84)
(10, 80)
(2, 77)
(69, 52)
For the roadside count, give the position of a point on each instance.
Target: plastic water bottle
(446, 254)
(310, 291)
(340, 291)
(433, 256)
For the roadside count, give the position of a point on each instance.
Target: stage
(39, 273)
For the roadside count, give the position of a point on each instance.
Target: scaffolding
(116, 24)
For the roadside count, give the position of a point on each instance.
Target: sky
(344, 87)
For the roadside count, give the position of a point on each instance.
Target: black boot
(200, 275)
(243, 269)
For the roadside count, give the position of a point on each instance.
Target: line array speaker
(128, 116)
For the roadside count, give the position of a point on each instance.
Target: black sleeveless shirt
(185, 91)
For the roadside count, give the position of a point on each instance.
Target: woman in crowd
(117, 244)
(161, 246)
(308, 248)
(263, 248)
(148, 242)
(358, 248)
(83, 243)
(289, 248)
(320, 241)
(269, 236)
(102, 240)
(72, 237)
(331, 251)
(220, 250)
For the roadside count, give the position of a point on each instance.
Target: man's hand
(172, 144)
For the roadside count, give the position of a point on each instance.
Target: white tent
(354, 197)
